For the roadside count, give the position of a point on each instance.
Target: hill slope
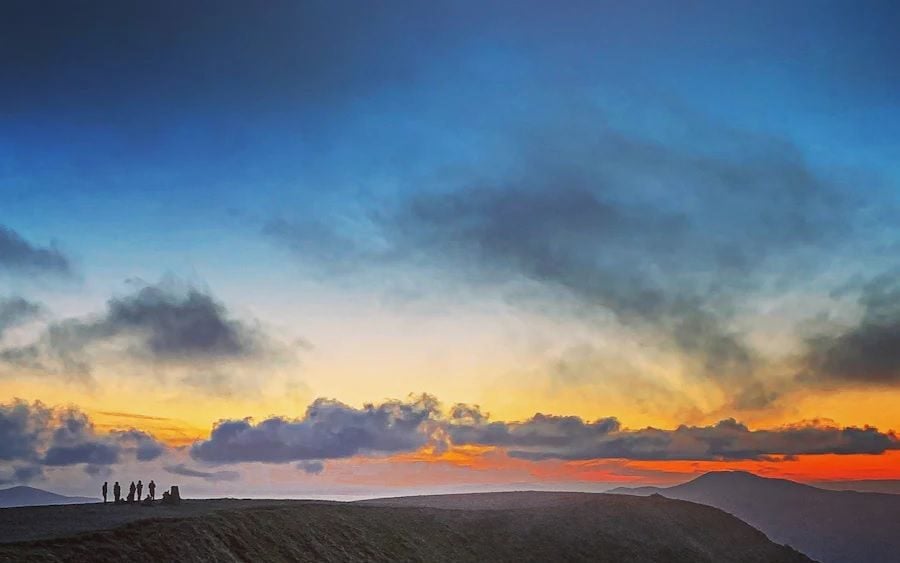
(29, 496)
(830, 526)
(887, 486)
(524, 527)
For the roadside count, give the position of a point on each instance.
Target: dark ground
(483, 527)
(44, 522)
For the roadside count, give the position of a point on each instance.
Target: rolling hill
(830, 526)
(29, 496)
(489, 527)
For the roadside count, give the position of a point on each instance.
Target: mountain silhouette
(30, 496)
(830, 526)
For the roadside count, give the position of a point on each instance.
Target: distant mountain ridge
(830, 526)
(30, 496)
(888, 486)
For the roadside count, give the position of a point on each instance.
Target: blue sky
(572, 209)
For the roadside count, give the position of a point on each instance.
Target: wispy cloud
(20, 257)
(212, 476)
(15, 311)
(671, 238)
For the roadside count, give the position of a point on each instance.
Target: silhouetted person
(140, 487)
(117, 492)
(152, 487)
(105, 489)
(131, 493)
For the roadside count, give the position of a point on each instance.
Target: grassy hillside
(521, 527)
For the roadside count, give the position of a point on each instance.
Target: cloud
(93, 453)
(332, 430)
(133, 416)
(867, 353)
(571, 438)
(144, 446)
(34, 436)
(15, 311)
(29, 357)
(669, 236)
(18, 256)
(166, 323)
(539, 431)
(177, 323)
(20, 474)
(23, 430)
(98, 471)
(313, 467)
(211, 476)
(328, 430)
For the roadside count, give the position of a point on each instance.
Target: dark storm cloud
(868, 353)
(15, 311)
(571, 438)
(212, 476)
(328, 430)
(157, 323)
(18, 256)
(34, 436)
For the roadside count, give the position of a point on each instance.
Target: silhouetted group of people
(134, 492)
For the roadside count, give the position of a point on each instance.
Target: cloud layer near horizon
(35, 437)
(332, 430)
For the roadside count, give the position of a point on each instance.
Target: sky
(354, 249)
